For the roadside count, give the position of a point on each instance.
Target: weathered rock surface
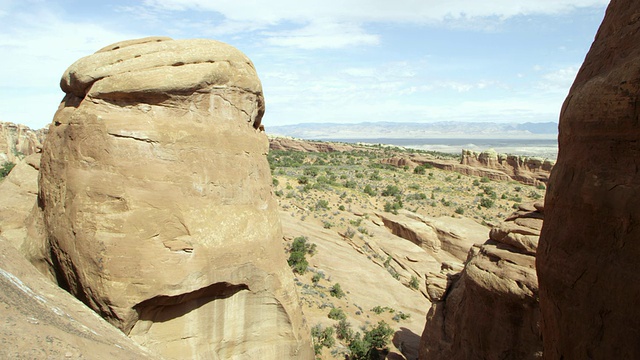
(446, 238)
(157, 206)
(527, 170)
(18, 193)
(498, 167)
(38, 320)
(490, 309)
(17, 141)
(290, 144)
(587, 260)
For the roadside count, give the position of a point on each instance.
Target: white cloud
(317, 35)
(339, 23)
(373, 10)
(38, 46)
(558, 81)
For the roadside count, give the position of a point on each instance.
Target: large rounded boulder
(157, 205)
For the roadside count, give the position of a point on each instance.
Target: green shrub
(390, 190)
(322, 338)
(369, 190)
(371, 344)
(420, 170)
(322, 204)
(336, 291)
(349, 233)
(313, 172)
(297, 252)
(487, 203)
(400, 316)
(303, 180)
(351, 184)
(343, 330)
(460, 210)
(337, 314)
(414, 283)
(6, 168)
(317, 277)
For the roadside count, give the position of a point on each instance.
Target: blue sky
(330, 60)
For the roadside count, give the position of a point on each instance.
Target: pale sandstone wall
(157, 206)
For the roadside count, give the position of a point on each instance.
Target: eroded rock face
(291, 144)
(490, 309)
(155, 192)
(17, 141)
(590, 245)
(18, 192)
(527, 170)
(41, 321)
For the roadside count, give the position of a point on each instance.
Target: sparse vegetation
(6, 168)
(414, 283)
(372, 343)
(340, 194)
(336, 291)
(322, 337)
(297, 259)
(337, 314)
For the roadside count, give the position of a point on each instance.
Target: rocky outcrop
(156, 198)
(588, 255)
(497, 167)
(490, 309)
(527, 170)
(41, 321)
(18, 193)
(291, 144)
(445, 238)
(18, 141)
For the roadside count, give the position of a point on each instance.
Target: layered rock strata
(490, 309)
(291, 144)
(18, 141)
(527, 170)
(157, 206)
(590, 245)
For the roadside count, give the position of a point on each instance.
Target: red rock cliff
(588, 255)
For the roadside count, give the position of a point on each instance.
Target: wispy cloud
(558, 81)
(322, 35)
(338, 23)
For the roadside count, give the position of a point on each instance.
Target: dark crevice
(165, 308)
(150, 141)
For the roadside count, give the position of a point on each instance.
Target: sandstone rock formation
(446, 238)
(589, 249)
(527, 170)
(157, 206)
(498, 167)
(490, 309)
(17, 141)
(38, 320)
(18, 193)
(291, 144)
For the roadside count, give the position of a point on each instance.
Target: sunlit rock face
(157, 206)
(587, 260)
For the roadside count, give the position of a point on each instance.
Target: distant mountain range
(406, 130)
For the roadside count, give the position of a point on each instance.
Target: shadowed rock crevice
(489, 310)
(164, 308)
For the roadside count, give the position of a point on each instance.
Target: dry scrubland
(362, 288)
